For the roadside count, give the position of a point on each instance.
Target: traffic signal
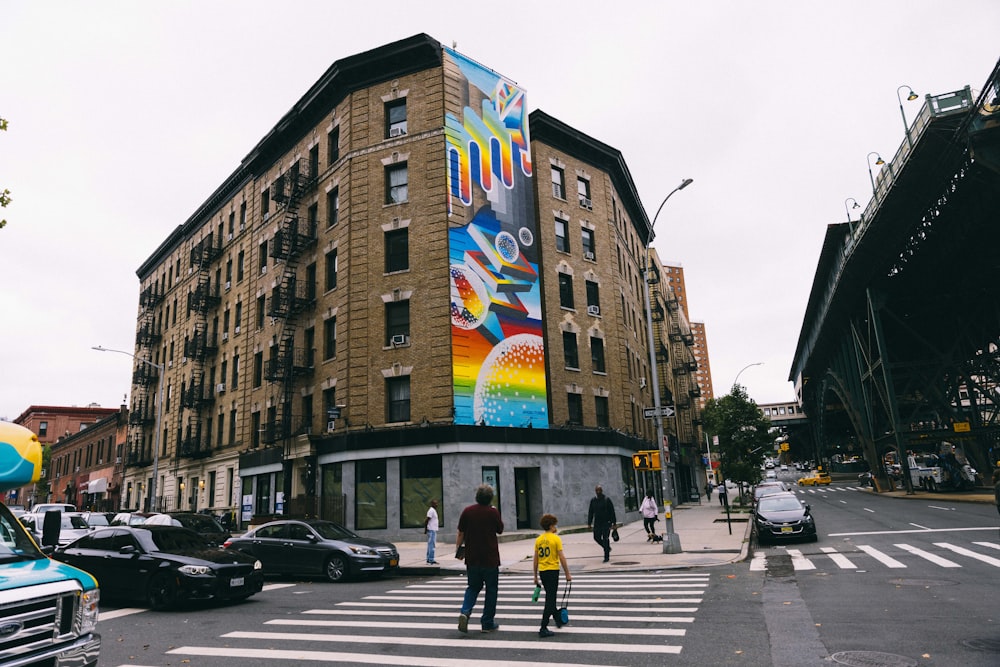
(646, 460)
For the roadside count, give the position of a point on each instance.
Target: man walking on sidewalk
(431, 529)
(478, 527)
(601, 516)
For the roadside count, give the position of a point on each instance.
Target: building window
(331, 270)
(397, 320)
(312, 220)
(558, 183)
(43, 429)
(419, 482)
(370, 494)
(597, 354)
(593, 297)
(232, 426)
(238, 316)
(601, 408)
(261, 311)
(262, 257)
(236, 371)
(243, 216)
(265, 203)
(309, 345)
(397, 397)
(571, 355)
(566, 290)
(396, 184)
(332, 207)
(562, 237)
(258, 369)
(583, 193)
(333, 145)
(330, 338)
(587, 241)
(397, 250)
(574, 406)
(395, 118)
(314, 162)
(239, 265)
(255, 429)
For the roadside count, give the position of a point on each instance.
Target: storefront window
(419, 483)
(631, 499)
(370, 504)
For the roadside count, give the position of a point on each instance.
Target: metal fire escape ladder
(196, 395)
(142, 416)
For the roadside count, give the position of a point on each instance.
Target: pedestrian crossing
(612, 616)
(866, 556)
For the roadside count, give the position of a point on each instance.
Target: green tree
(744, 435)
(4, 193)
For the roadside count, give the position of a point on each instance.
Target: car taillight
(227, 544)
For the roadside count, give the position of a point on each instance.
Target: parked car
(815, 480)
(71, 526)
(98, 519)
(766, 489)
(783, 516)
(203, 524)
(162, 565)
(42, 508)
(131, 518)
(316, 547)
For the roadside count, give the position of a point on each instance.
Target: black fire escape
(145, 381)
(197, 394)
(287, 301)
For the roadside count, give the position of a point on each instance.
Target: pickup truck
(815, 479)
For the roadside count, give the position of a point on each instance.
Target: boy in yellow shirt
(548, 557)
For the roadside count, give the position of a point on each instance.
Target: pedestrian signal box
(646, 460)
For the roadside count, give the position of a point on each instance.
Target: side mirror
(127, 549)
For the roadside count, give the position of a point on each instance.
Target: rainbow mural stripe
(498, 355)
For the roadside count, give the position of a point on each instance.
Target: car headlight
(86, 613)
(257, 565)
(196, 570)
(364, 551)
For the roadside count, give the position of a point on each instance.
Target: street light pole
(909, 98)
(759, 363)
(157, 426)
(671, 541)
(879, 161)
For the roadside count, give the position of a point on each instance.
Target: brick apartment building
(409, 286)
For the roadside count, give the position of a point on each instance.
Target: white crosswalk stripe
(807, 562)
(614, 615)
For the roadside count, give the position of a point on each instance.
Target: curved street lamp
(879, 161)
(848, 211)
(758, 363)
(671, 541)
(159, 418)
(909, 98)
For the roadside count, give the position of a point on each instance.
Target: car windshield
(776, 504)
(97, 520)
(178, 541)
(74, 521)
(14, 541)
(767, 490)
(331, 531)
(200, 522)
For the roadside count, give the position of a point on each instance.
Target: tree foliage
(4, 193)
(743, 431)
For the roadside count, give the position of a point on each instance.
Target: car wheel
(335, 568)
(931, 486)
(162, 592)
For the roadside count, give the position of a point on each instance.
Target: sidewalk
(702, 531)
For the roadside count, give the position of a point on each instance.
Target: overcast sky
(125, 116)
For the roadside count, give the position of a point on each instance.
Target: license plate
(786, 529)
(235, 582)
(393, 563)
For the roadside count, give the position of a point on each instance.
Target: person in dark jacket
(478, 527)
(601, 517)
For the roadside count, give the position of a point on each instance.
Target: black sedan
(782, 516)
(162, 565)
(319, 548)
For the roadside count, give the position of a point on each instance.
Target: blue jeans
(479, 577)
(431, 540)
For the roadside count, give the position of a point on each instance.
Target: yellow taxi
(815, 480)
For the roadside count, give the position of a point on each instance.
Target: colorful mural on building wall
(498, 356)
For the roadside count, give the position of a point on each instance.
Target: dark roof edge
(558, 134)
(405, 56)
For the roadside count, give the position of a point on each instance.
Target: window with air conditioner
(587, 243)
(399, 339)
(397, 320)
(395, 118)
(220, 388)
(594, 310)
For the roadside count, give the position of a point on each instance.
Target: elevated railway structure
(900, 344)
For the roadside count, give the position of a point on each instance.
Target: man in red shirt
(478, 527)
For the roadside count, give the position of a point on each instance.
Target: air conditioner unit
(229, 236)
(229, 284)
(586, 203)
(329, 426)
(118, 460)
(236, 330)
(225, 335)
(399, 339)
(396, 131)
(594, 310)
(263, 269)
(220, 388)
(78, 469)
(100, 461)
(642, 382)
(170, 364)
(588, 255)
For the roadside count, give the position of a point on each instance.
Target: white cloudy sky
(124, 116)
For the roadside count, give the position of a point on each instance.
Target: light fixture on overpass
(909, 98)
(848, 211)
(879, 161)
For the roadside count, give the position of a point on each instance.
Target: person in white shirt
(649, 511)
(431, 529)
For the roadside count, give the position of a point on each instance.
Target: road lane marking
(989, 560)
(652, 614)
(937, 560)
(990, 545)
(441, 642)
(868, 510)
(917, 525)
(450, 606)
(904, 531)
(759, 563)
(118, 613)
(800, 562)
(399, 625)
(293, 656)
(885, 559)
(842, 561)
(946, 509)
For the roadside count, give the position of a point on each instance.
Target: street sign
(665, 411)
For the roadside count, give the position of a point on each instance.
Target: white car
(72, 526)
(784, 467)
